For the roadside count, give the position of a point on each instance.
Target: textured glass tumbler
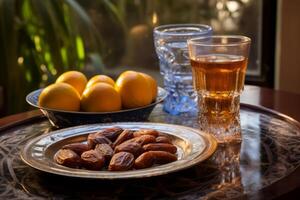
(219, 66)
(171, 48)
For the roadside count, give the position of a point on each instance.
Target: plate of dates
(118, 150)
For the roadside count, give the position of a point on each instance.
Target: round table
(264, 165)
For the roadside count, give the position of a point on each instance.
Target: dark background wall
(288, 46)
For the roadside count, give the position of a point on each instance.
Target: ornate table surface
(264, 165)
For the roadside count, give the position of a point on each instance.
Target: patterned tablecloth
(270, 150)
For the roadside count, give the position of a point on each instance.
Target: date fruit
(118, 149)
(163, 139)
(96, 138)
(147, 159)
(111, 133)
(121, 161)
(67, 157)
(78, 148)
(125, 135)
(92, 159)
(105, 150)
(131, 147)
(143, 139)
(160, 147)
(140, 132)
(144, 161)
(163, 157)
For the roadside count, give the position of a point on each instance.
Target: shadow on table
(198, 179)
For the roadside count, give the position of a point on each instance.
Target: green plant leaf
(47, 37)
(10, 80)
(78, 9)
(117, 13)
(88, 29)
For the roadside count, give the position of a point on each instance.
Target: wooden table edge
(13, 120)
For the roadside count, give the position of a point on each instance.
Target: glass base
(220, 116)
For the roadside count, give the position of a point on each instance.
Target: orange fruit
(100, 97)
(152, 83)
(100, 79)
(60, 96)
(134, 89)
(75, 79)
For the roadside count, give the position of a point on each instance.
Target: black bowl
(60, 118)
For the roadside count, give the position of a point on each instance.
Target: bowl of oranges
(75, 100)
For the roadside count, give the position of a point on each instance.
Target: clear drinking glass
(219, 65)
(171, 47)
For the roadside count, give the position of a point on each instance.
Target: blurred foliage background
(40, 39)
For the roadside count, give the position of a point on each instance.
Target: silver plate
(193, 146)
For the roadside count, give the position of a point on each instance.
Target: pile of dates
(118, 149)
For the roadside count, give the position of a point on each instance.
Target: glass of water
(171, 48)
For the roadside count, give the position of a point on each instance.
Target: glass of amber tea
(219, 65)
